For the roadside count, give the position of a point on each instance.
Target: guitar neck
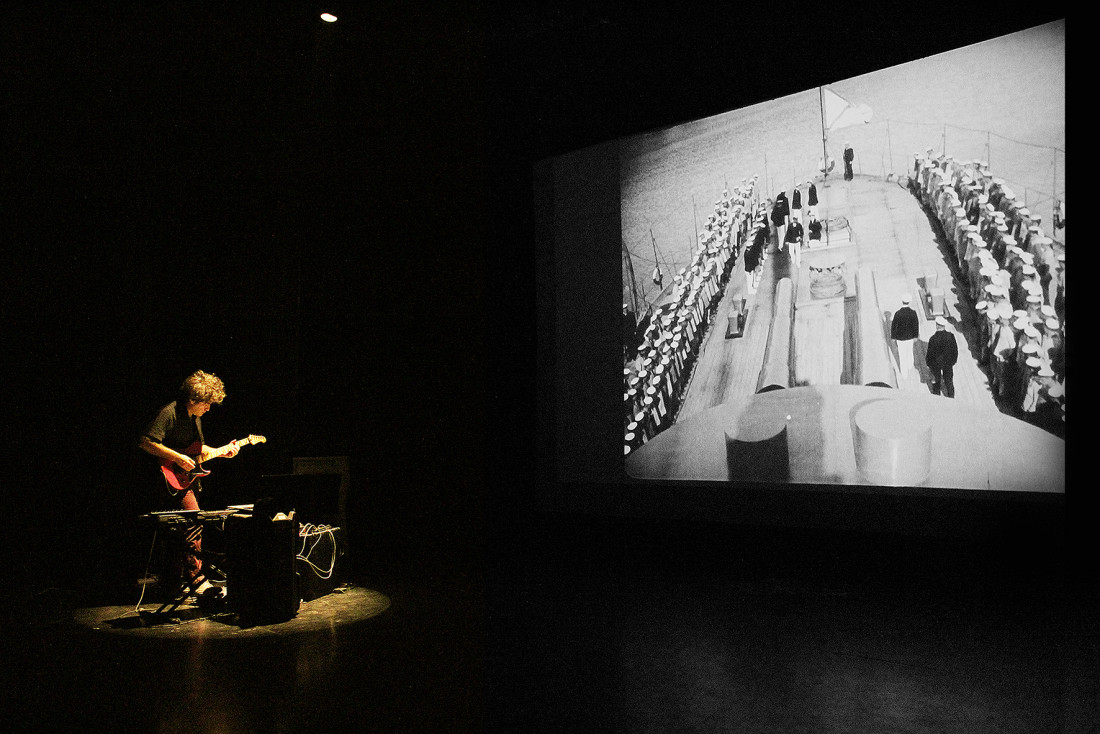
(238, 443)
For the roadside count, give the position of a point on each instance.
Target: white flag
(839, 112)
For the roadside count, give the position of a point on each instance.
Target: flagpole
(824, 149)
(824, 155)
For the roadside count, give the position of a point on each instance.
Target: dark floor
(413, 668)
(602, 624)
(629, 626)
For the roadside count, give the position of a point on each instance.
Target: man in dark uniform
(811, 199)
(941, 356)
(813, 231)
(780, 212)
(905, 329)
(794, 238)
(849, 156)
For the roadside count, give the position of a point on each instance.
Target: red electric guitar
(179, 479)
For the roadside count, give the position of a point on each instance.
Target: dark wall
(259, 195)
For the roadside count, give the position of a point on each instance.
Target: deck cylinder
(893, 445)
(759, 451)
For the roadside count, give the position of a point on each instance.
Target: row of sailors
(967, 198)
(1015, 276)
(671, 342)
(1026, 357)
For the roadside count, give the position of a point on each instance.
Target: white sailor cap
(1045, 241)
(1056, 391)
(1020, 322)
(1051, 323)
(1028, 269)
(1030, 348)
(998, 214)
(941, 321)
(999, 181)
(1047, 311)
(981, 305)
(1034, 362)
(1023, 211)
(1009, 193)
(1002, 227)
(972, 228)
(1034, 299)
(1038, 218)
(1060, 257)
(1027, 257)
(1046, 371)
(905, 299)
(983, 198)
(1032, 332)
(1004, 310)
(1008, 239)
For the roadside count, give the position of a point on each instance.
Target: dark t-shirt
(173, 428)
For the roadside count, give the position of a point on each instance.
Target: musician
(176, 428)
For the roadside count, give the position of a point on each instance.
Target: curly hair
(203, 387)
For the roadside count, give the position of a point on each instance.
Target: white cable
(321, 573)
(148, 564)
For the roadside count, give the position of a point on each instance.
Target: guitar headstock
(253, 439)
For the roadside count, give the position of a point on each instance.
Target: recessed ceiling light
(328, 17)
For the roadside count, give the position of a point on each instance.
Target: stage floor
(347, 605)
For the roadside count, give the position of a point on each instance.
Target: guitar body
(180, 480)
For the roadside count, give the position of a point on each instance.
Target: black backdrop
(289, 204)
(337, 220)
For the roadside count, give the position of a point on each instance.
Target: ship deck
(874, 223)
